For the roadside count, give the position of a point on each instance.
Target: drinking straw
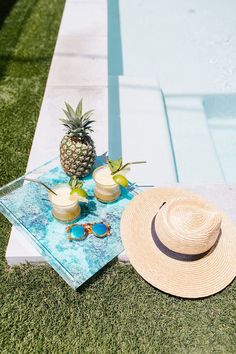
(137, 162)
(43, 184)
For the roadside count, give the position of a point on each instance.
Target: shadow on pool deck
(115, 68)
(114, 124)
(115, 60)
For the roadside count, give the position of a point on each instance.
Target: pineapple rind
(77, 150)
(77, 158)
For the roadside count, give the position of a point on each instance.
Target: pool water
(190, 46)
(221, 114)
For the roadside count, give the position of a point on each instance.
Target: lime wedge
(80, 192)
(121, 180)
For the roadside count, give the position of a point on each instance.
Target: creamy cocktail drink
(65, 207)
(106, 190)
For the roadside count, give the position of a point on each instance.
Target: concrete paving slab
(89, 68)
(84, 18)
(82, 46)
(191, 137)
(144, 130)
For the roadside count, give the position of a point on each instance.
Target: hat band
(176, 255)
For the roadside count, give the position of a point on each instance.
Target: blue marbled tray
(26, 206)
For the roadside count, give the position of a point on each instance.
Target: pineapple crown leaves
(77, 123)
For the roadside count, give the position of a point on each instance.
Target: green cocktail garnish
(76, 188)
(116, 165)
(121, 180)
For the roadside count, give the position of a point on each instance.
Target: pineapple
(77, 150)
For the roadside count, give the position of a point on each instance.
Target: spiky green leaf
(67, 113)
(76, 123)
(87, 115)
(87, 124)
(70, 110)
(65, 121)
(79, 108)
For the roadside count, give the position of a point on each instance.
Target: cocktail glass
(65, 207)
(106, 190)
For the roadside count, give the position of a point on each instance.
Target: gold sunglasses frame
(88, 230)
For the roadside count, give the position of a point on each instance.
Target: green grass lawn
(117, 312)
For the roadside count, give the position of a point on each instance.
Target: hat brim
(188, 279)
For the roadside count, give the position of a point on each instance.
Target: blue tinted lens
(99, 229)
(77, 231)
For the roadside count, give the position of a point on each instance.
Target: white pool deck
(79, 69)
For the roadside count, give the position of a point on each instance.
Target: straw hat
(179, 243)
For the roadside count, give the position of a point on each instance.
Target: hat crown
(188, 225)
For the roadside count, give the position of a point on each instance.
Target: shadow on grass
(5, 9)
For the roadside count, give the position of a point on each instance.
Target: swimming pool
(190, 46)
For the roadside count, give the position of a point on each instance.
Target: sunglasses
(79, 232)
